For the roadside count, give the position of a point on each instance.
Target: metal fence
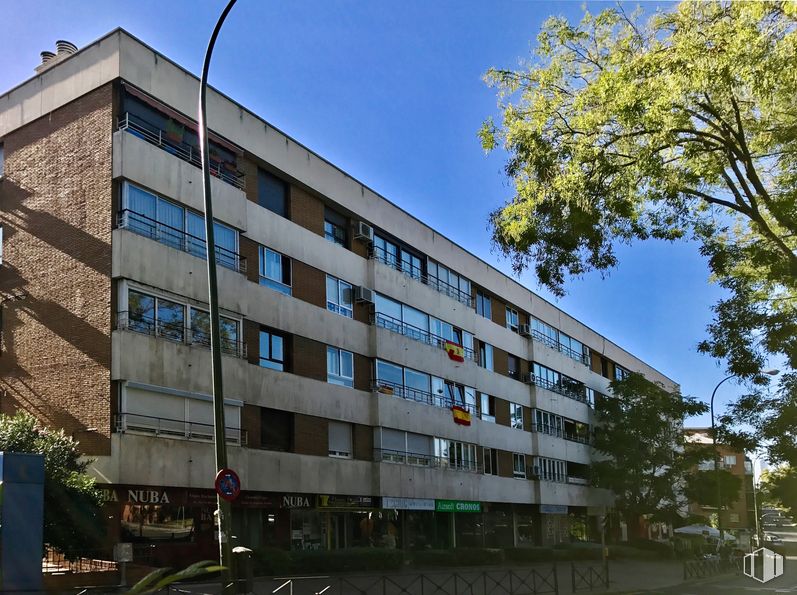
(55, 562)
(710, 567)
(589, 577)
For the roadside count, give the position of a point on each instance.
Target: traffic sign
(228, 484)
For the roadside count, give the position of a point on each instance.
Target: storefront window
(306, 530)
(498, 530)
(525, 529)
(158, 522)
(470, 530)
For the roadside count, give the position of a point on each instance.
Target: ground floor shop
(176, 525)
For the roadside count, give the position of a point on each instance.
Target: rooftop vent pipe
(46, 56)
(65, 47)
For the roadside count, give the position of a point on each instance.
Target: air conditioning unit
(524, 330)
(364, 232)
(363, 295)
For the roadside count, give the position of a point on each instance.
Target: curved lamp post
(223, 508)
(716, 453)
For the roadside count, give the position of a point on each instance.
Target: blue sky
(391, 92)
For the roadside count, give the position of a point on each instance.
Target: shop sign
(295, 501)
(457, 506)
(345, 502)
(553, 508)
(148, 497)
(408, 503)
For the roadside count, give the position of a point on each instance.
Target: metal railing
(175, 428)
(413, 394)
(710, 567)
(589, 577)
(555, 387)
(417, 273)
(559, 433)
(562, 348)
(179, 332)
(178, 238)
(136, 126)
(386, 455)
(413, 332)
(55, 562)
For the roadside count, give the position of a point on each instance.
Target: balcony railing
(179, 332)
(177, 238)
(386, 455)
(413, 332)
(175, 428)
(416, 273)
(559, 433)
(555, 387)
(136, 126)
(560, 347)
(413, 394)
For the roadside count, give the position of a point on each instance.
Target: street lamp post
(716, 452)
(224, 509)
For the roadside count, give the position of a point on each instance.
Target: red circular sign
(228, 484)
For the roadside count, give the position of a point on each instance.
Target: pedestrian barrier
(589, 577)
(710, 567)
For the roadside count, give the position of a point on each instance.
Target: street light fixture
(772, 372)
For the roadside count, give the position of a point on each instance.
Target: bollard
(244, 582)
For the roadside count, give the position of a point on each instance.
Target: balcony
(416, 273)
(560, 433)
(416, 333)
(557, 388)
(408, 393)
(178, 239)
(175, 428)
(386, 455)
(560, 347)
(177, 332)
(224, 170)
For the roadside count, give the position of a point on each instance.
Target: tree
(682, 125)
(701, 487)
(779, 486)
(646, 460)
(73, 521)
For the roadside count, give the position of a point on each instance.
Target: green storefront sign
(457, 506)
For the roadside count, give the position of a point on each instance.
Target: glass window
(275, 270)
(340, 367)
(171, 320)
(417, 383)
(389, 374)
(388, 313)
(226, 239)
(272, 350)
(467, 341)
(516, 415)
(340, 297)
(545, 377)
(470, 398)
(487, 408)
(513, 366)
(276, 429)
(490, 461)
(483, 304)
(272, 193)
(339, 439)
(411, 264)
(486, 355)
(200, 330)
(386, 251)
(335, 233)
(416, 323)
(620, 373)
(729, 460)
(511, 319)
(545, 333)
(518, 465)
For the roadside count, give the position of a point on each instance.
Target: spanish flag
(455, 351)
(461, 416)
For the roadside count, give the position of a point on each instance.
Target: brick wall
(250, 423)
(56, 212)
(309, 284)
(363, 442)
(251, 252)
(500, 361)
(362, 372)
(504, 463)
(307, 210)
(309, 358)
(498, 311)
(501, 412)
(310, 435)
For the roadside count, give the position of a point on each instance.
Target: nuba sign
(147, 497)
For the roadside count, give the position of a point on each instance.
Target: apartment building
(383, 385)
(740, 514)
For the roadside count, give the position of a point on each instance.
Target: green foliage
(779, 486)
(272, 561)
(159, 579)
(640, 434)
(701, 487)
(678, 126)
(458, 557)
(529, 554)
(73, 520)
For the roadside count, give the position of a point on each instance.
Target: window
(339, 297)
(275, 270)
(340, 440)
(276, 429)
(154, 315)
(573, 388)
(272, 350)
(200, 330)
(589, 395)
(340, 367)
(513, 366)
(490, 461)
(486, 355)
(729, 460)
(545, 377)
(483, 305)
(516, 415)
(545, 333)
(548, 423)
(226, 239)
(487, 409)
(550, 469)
(447, 281)
(512, 319)
(272, 193)
(518, 465)
(620, 373)
(574, 349)
(335, 226)
(455, 455)
(397, 446)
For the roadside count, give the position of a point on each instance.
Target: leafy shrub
(271, 561)
(577, 551)
(479, 556)
(435, 558)
(349, 560)
(529, 554)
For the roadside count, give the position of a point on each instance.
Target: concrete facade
(140, 394)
